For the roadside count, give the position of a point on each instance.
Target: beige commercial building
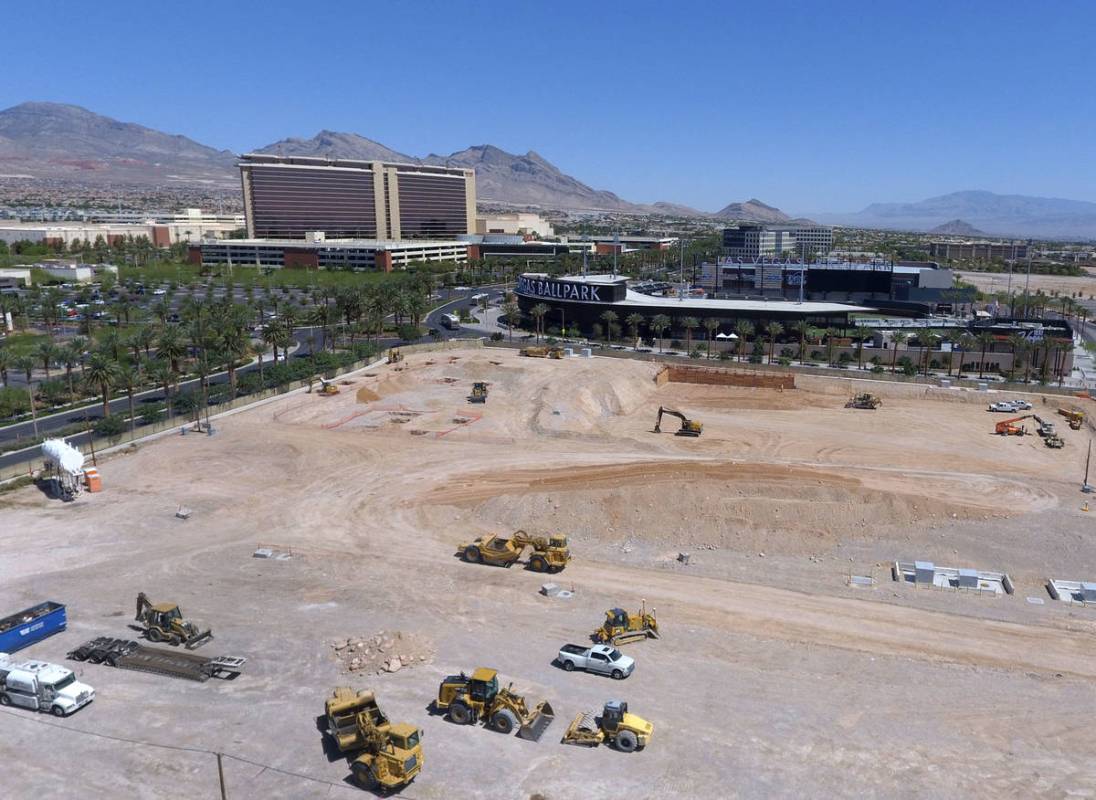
(190, 226)
(518, 223)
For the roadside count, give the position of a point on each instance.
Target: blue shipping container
(31, 625)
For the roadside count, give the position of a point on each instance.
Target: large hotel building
(286, 197)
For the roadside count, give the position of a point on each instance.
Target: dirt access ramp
(712, 376)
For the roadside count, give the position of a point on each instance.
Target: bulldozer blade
(653, 633)
(538, 722)
(199, 640)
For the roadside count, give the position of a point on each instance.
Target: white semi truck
(42, 686)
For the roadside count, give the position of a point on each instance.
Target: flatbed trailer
(31, 625)
(128, 654)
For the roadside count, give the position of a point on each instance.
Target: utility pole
(1027, 281)
(681, 270)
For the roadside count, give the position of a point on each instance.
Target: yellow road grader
(478, 698)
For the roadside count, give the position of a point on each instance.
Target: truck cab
(41, 686)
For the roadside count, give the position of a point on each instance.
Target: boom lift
(478, 698)
(1007, 427)
(689, 427)
(626, 732)
(620, 627)
(384, 754)
(164, 622)
(550, 554)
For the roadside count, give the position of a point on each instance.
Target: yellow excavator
(385, 755)
(620, 627)
(163, 622)
(478, 698)
(328, 388)
(624, 731)
(689, 427)
(550, 554)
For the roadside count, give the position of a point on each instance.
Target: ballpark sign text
(559, 290)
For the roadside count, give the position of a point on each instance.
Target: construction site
(363, 560)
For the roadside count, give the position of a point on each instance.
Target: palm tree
(897, 338)
(689, 324)
(170, 346)
(743, 329)
(47, 354)
(929, 342)
(711, 325)
(24, 364)
(773, 329)
(609, 317)
(145, 337)
(1016, 343)
(129, 376)
(986, 340)
(79, 346)
(803, 328)
(831, 343)
(537, 312)
(160, 372)
(235, 344)
(659, 324)
(70, 357)
(861, 334)
(966, 342)
(270, 336)
(512, 311)
(5, 365)
(111, 341)
(633, 321)
(103, 372)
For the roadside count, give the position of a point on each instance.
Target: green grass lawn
(24, 343)
(244, 276)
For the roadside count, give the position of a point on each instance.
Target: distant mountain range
(57, 141)
(996, 214)
(958, 227)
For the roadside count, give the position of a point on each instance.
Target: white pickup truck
(42, 686)
(600, 658)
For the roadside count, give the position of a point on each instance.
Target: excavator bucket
(534, 726)
(199, 640)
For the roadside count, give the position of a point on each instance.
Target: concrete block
(550, 589)
(263, 552)
(587, 352)
(924, 572)
(983, 387)
(968, 578)
(568, 351)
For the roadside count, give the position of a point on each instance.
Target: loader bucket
(537, 723)
(199, 640)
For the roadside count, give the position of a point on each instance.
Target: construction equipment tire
(154, 635)
(472, 554)
(626, 742)
(504, 721)
(538, 564)
(460, 714)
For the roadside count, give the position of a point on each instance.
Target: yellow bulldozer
(385, 755)
(542, 352)
(620, 627)
(163, 622)
(624, 731)
(467, 700)
(479, 392)
(689, 427)
(549, 554)
(868, 401)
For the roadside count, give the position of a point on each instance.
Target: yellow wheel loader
(467, 700)
(549, 554)
(479, 393)
(164, 622)
(626, 732)
(620, 627)
(385, 755)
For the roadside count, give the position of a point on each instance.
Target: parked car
(1005, 406)
(600, 658)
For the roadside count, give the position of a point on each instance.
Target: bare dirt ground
(772, 679)
(1063, 284)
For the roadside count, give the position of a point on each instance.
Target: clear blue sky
(810, 106)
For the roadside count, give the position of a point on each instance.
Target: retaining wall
(723, 377)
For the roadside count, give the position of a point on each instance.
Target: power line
(181, 749)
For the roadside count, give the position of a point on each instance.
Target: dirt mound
(387, 651)
(366, 395)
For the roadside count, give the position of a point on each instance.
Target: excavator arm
(143, 606)
(671, 412)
